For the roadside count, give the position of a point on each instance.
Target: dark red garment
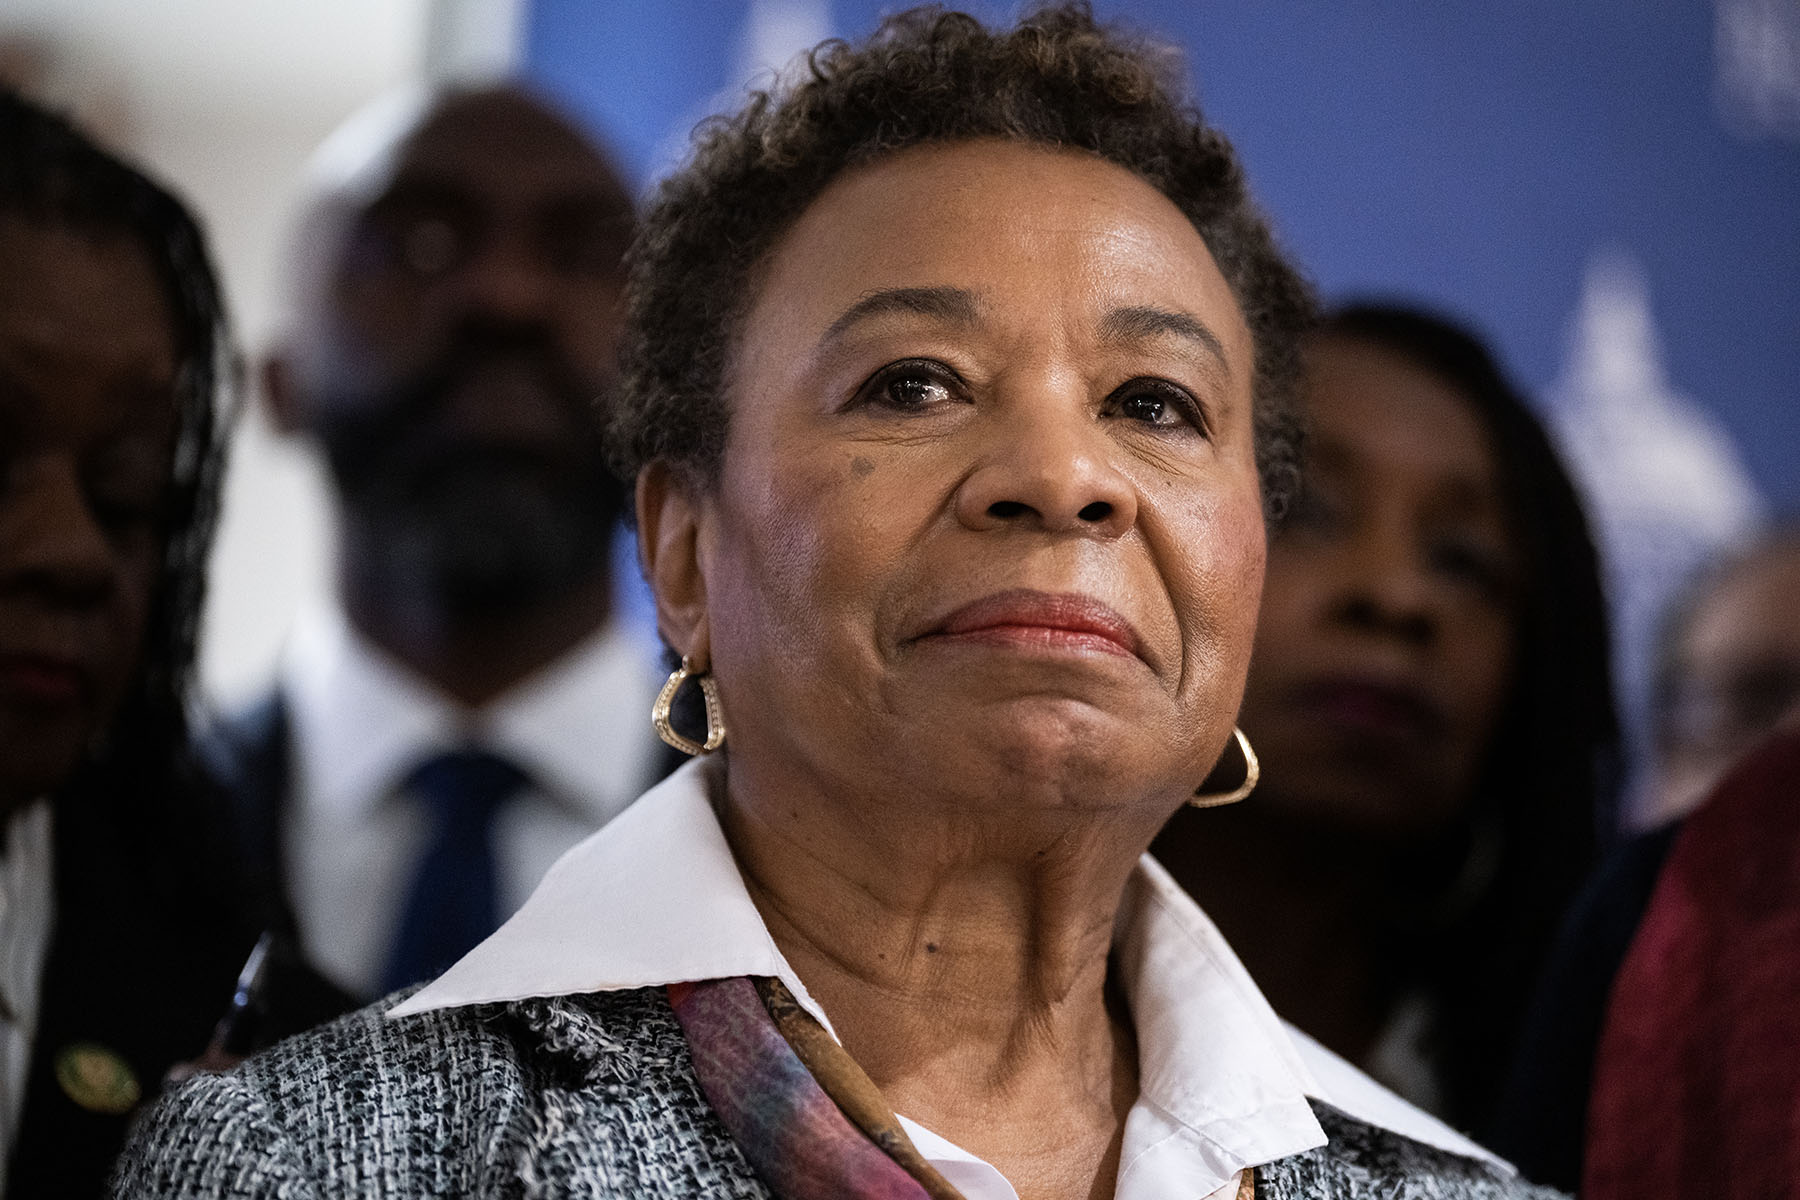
(1697, 1083)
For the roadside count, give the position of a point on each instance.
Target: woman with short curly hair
(956, 394)
(930, 77)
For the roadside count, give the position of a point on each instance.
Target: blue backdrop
(1472, 155)
(1582, 181)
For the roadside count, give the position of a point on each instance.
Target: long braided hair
(139, 774)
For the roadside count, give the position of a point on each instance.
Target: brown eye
(126, 490)
(1157, 403)
(911, 386)
(911, 391)
(1141, 406)
(421, 233)
(1469, 562)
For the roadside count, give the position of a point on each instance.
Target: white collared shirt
(359, 723)
(656, 898)
(27, 897)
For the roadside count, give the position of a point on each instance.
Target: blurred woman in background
(1431, 702)
(117, 935)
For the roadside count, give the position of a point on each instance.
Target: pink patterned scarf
(811, 1123)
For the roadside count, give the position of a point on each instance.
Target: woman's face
(988, 514)
(1387, 639)
(87, 380)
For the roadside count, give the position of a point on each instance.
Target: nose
(1052, 468)
(1385, 588)
(50, 539)
(507, 280)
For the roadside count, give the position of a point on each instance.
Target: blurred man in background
(1729, 669)
(470, 706)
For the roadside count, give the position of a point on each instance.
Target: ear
(668, 517)
(281, 394)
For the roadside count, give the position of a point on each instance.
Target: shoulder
(246, 757)
(591, 1088)
(310, 1113)
(247, 749)
(1364, 1160)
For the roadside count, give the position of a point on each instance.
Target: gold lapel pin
(97, 1079)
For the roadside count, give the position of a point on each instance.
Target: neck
(474, 660)
(1304, 911)
(964, 967)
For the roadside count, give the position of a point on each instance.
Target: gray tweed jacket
(590, 1096)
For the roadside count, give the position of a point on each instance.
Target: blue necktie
(454, 899)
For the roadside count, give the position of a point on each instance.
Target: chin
(1070, 751)
(1369, 800)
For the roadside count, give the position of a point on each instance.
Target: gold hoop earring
(1252, 773)
(715, 717)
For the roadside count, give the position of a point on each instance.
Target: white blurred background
(225, 100)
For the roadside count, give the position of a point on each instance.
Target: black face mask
(476, 526)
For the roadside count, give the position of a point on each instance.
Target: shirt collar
(27, 867)
(27, 913)
(656, 898)
(361, 720)
(1220, 1085)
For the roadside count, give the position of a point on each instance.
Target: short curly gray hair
(1057, 79)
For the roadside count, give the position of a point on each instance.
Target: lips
(43, 679)
(1027, 619)
(1370, 707)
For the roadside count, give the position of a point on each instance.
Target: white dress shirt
(656, 898)
(26, 900)
(359, 723)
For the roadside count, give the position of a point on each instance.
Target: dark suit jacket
(250, 758)
(148, 937)
(1543, 1111)
(247, 756)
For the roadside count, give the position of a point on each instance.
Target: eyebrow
(1142, 322)
(950, 305)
